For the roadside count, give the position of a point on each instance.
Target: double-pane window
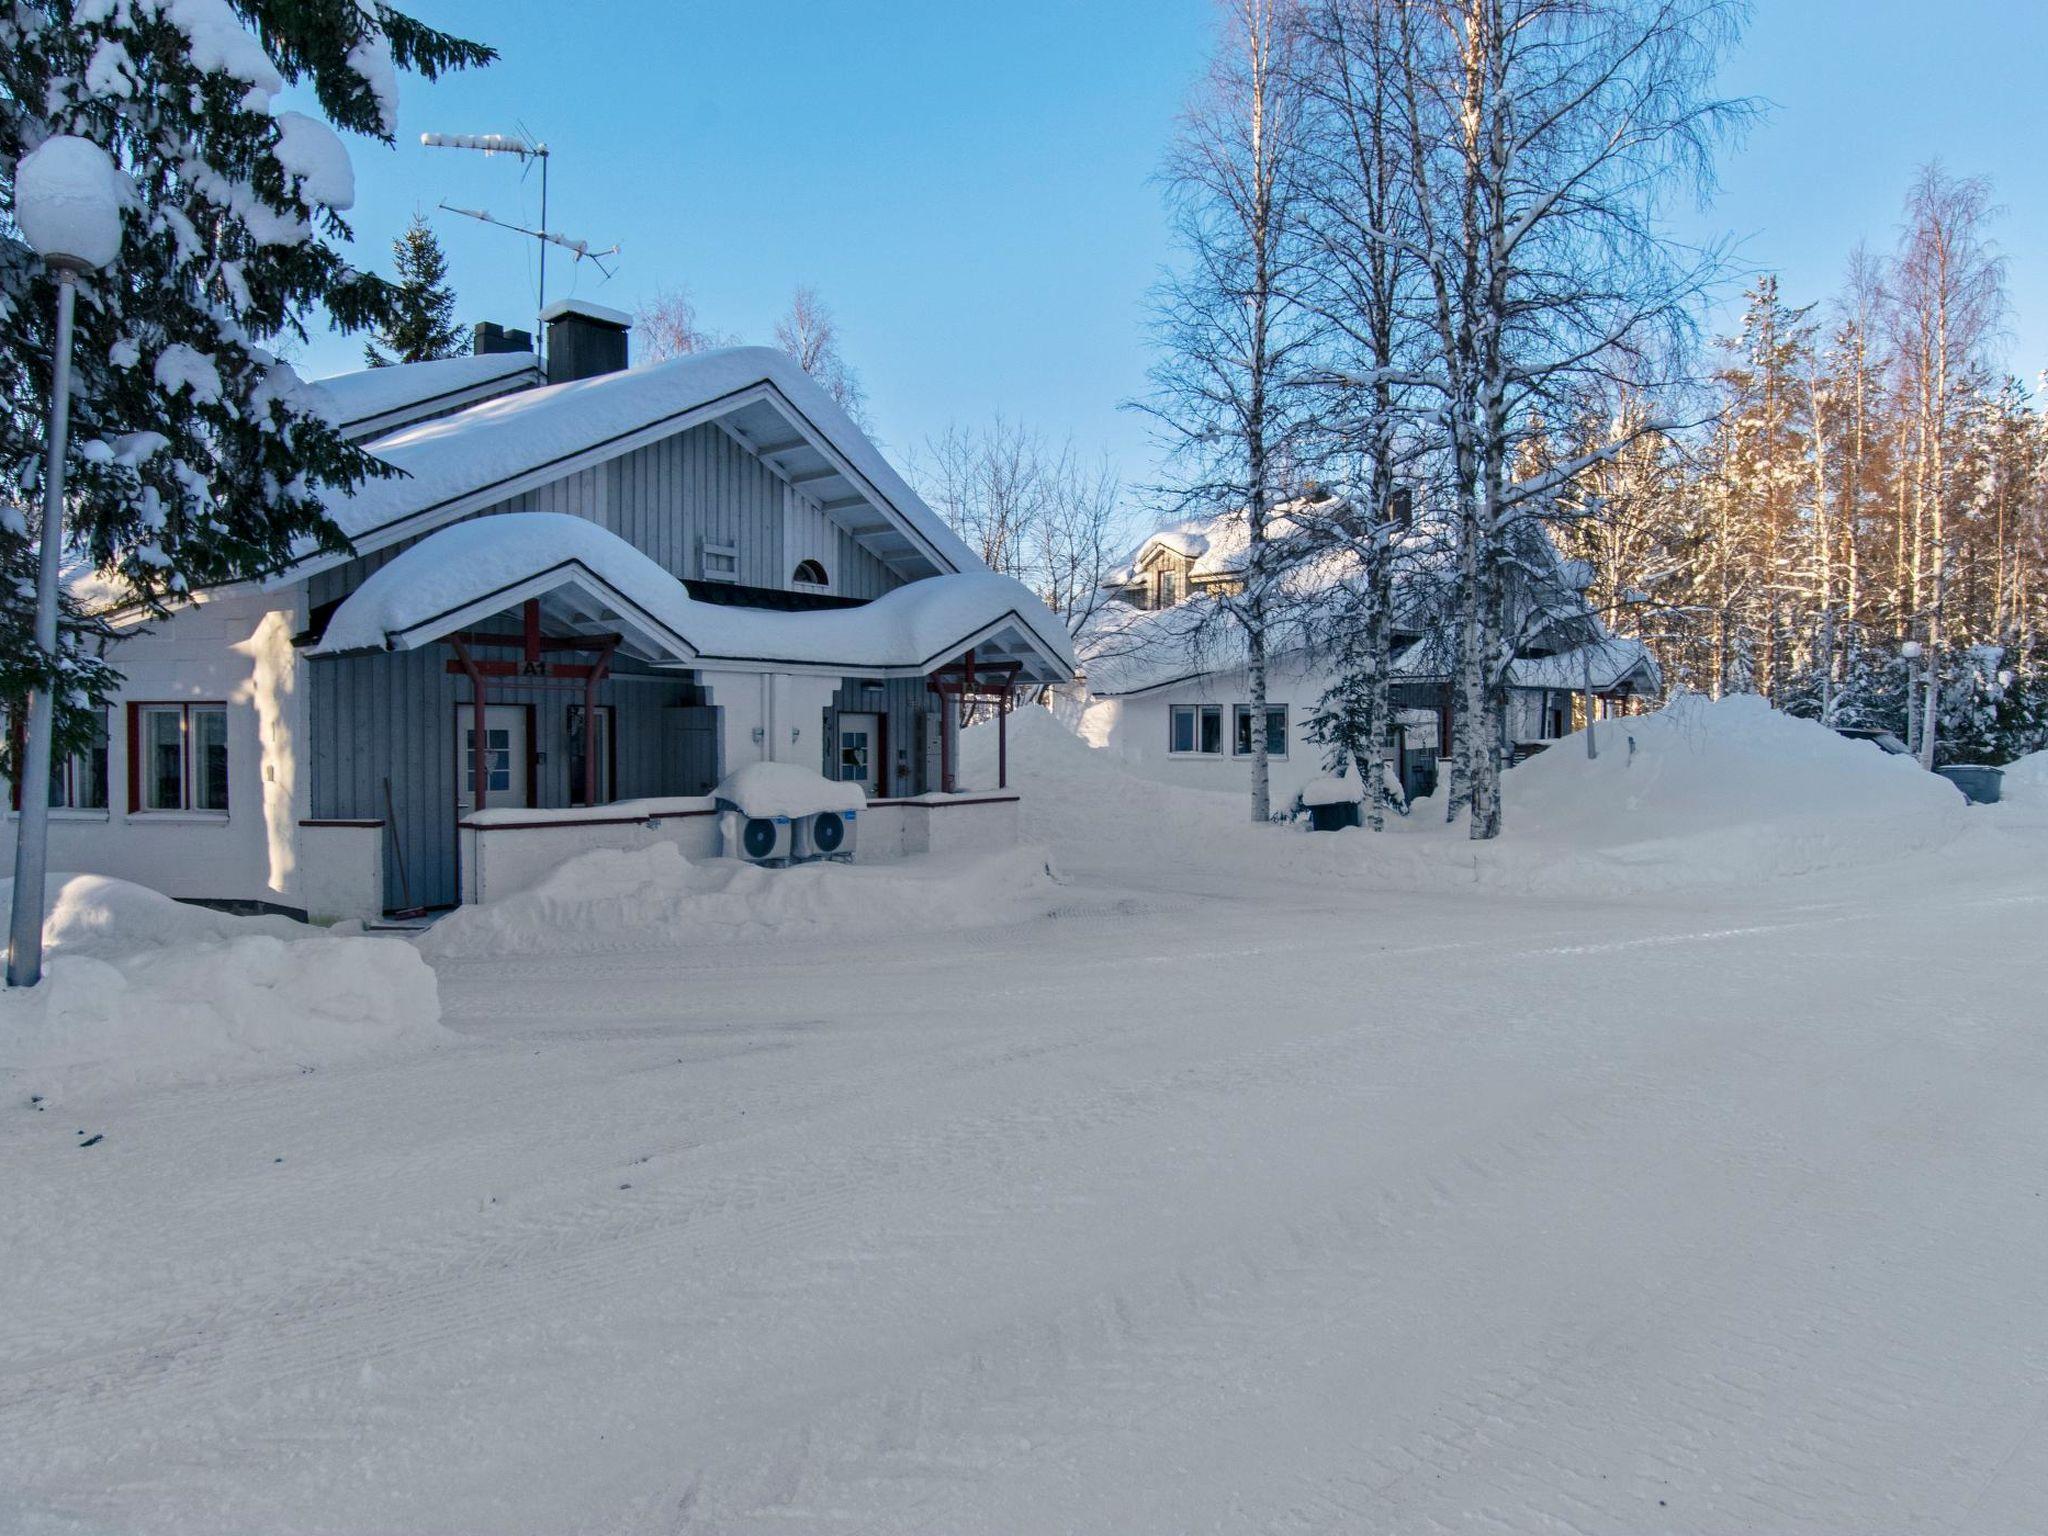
(78, 780)
(181, 757)
(1276, 730)
(1197, 730)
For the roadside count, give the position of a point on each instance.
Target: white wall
(1136, 730)
(234, 649)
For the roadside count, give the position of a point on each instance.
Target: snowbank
(650, 898)
(1710, 793)
(786, 789)
(139, 990)
(2026, 782)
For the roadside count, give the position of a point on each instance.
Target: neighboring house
(633, 581)
(1163, 671)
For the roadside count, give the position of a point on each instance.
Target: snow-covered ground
(1250, 1190)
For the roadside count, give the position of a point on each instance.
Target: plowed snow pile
(610, 900)
(140, 989)
(1705, 792)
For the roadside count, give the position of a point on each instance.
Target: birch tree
(1544, 136)
(1226, 392)
(1358, 217)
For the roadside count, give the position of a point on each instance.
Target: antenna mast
(527, 149)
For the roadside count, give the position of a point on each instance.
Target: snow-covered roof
(373, 401)
(1128, 650)
(1611, 663)
(591, 581)
(459, 464)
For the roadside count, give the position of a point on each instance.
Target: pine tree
(422, 325)
(196, 456)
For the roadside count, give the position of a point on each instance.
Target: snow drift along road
(1704, 792)
(650, 898)
(141, 989)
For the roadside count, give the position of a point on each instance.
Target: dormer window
(1169, 589)
(809, 573)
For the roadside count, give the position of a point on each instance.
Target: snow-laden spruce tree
(196, 455)
(422, 324)
(1227, 388)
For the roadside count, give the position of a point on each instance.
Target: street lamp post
(67, 206)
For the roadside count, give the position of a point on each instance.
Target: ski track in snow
(1180, 1211)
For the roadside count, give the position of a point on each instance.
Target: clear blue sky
(969, 185)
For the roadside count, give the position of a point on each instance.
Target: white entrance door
(505, 753)
(860, 750)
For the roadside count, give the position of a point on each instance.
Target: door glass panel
(854, 756)
(497, 759)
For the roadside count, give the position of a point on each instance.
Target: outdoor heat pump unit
(758, 839)
(826, 835)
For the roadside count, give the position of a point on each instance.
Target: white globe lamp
(67, 205)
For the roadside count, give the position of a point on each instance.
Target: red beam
(548, 670)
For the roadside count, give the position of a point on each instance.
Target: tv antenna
(528, 150)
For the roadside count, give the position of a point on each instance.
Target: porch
(578, 707)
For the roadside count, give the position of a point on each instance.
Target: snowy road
(1178, 1212)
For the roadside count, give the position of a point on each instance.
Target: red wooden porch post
(480, 748)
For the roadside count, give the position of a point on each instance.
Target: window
(607, 731)
(178, 757)
(1276, 730)
(1197, 730)
(1169, 589)
(77, 782)
(809, 573)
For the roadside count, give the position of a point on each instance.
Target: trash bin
(1980, 784)
(1334, 817)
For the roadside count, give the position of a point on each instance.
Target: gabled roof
(591, 581)
(374, 401)
(488, 453)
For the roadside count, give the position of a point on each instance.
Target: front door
(506, 758)
(860, 750)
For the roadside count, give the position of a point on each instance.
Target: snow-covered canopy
(464, 462)
(591, 581)
(373, 401)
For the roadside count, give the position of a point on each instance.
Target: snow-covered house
(585, 600)
(1163, 681)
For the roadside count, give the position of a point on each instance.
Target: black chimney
(490, 338)
(584, 339)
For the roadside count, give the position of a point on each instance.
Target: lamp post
(68, 207)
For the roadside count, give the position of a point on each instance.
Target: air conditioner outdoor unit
(758, 839)
(827, 835)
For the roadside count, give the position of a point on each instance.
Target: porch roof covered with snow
(1616, 665)
(589, 582)
(459, 464)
